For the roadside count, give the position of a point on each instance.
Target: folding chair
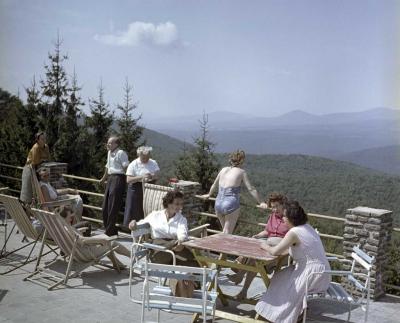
(160, 297)
(81, 251)
(353, 285)
(24, 224)
(140, 249)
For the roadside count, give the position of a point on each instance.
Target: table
(228, 244)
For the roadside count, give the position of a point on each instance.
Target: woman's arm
(289, 240)
(213, 186)
(250, 187)
(135, 179)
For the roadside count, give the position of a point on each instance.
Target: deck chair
(79, 251)
(140, 249)
(152, 201)
(23, 222)
(356, 291)
(160, 297)
(38, 198)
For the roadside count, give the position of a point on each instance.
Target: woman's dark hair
(295, 213)
(37, 136)
(276, 197)
(170, 197)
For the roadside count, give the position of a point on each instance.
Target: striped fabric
(65, 235)
(152, 197)
(18, 214)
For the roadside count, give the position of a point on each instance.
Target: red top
(275, 226)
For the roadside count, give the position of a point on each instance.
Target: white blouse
(137, 168)
(174, 228)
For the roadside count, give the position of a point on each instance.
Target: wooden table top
(232, 245)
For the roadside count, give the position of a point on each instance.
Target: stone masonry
(189, 189)
(371, 229)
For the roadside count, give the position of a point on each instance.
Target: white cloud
(143, 33)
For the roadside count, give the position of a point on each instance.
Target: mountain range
(369, 138)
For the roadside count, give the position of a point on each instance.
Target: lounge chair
(81, 251)
(23, 222)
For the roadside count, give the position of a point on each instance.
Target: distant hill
(322, 185)
(385, 159)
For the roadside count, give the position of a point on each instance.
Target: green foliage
(129, 130)
(68, 145)
(199, 164)
(99, 123)
(55, 91)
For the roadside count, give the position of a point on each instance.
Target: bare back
(230, 177)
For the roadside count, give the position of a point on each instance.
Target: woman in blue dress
(229, 181)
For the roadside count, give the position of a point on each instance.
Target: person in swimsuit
(229, 180)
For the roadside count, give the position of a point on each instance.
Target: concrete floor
(102, 295)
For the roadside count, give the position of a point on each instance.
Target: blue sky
(262, 58)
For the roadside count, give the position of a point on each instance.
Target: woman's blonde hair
(237, 157)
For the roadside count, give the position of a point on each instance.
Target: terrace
(103, 295)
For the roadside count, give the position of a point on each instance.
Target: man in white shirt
(117, 162)
(142, 169)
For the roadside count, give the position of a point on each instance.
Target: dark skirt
(134, 203)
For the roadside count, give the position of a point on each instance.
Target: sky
(260, 58)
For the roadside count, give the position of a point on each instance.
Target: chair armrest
(57, 203)
(100, 239)
(82, 229)
(153, 246)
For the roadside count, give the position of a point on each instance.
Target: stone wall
(371, 229)
(189, 190)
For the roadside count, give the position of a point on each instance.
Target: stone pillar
(372, 230)
(189, 189)
(56, 171)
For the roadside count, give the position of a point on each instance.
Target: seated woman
(67, 213)
(51, 194)
(283, 300)
(169, 229)
(229, 181)
(274, 231)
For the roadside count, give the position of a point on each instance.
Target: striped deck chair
(82, 252)
(23, 222)
(38, 198)
(152, 201)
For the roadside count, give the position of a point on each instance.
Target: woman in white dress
(283, 300)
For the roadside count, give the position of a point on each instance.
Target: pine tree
(55, 90)
(199, 164)
(99, 122)
(129, 130)
(31, 113)
(68, 147)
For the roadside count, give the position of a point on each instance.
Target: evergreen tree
(99, 122)
(199, 164)
(31, 113)
(12, 147)
(129, 130)
(55, 90)
(68, 147)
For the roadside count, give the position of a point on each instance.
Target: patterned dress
(283, 300)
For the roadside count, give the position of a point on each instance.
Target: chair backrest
(19, 215)
(63, 234)
(202, 300)
(361, 259)
(36, 189)
(152, 197)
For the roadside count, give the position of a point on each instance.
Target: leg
(230, 221)
(114, 203)
(221, 219)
